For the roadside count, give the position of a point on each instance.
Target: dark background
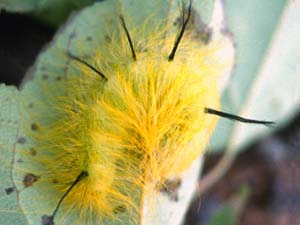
(21, 38)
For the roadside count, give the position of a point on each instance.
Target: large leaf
(265, 83)
(10, 213)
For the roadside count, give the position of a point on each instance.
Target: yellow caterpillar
(117, 124)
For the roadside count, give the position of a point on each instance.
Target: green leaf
(10, 213)
(224, 215)
(265, 82)
(19, 6)
(230, 211)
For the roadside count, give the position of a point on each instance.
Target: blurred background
(262, 184)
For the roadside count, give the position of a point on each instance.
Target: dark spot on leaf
(47, 220)
(89, 38)
(58, 78)
(206, 36)
(73, 35)
(54, 181)
(44, 76)
(20, 160)
(21, 140)
(119, 209)
(32, 151)
(170, 187)
(9, 190)
(29, 179)
(30, 105)
(34, 127)
(107, 38)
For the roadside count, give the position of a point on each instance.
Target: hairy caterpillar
(126, 119)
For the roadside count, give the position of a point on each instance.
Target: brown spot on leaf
(21, 140)
(107, 38)
(34, 127)
(170, 187)
(32, 151)
(89, 38)
(54, 181)
(205, 36)
(29, 179)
